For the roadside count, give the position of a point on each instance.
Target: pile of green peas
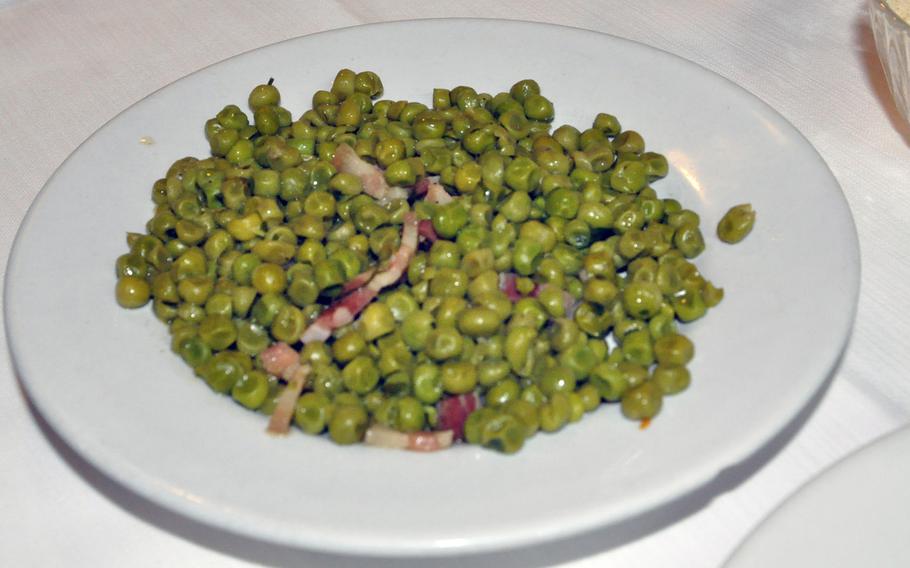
(247, 246)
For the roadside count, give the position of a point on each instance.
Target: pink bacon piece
(454, 410)
(399, 261)
(508, 283)
(437, 194)
(358, 281)
(282, 360)
(372, 177)
(278, 357)
(421, 187)
(423, 441)
(339, 314)
(426, 231)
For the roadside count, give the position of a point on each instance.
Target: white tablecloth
(68, 67)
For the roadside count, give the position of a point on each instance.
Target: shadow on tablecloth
(546, 554)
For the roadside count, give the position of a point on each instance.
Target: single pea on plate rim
(120, 398)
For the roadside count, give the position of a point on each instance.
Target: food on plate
(736, 224)
(412, 276)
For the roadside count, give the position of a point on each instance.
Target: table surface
(68, 67)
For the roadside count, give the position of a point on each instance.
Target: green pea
(554, 414)
(251, 338)
(540, 233)
(642, 299)
(444, 254)
(671, 379)
(674, 349)
(449, 219)
(526, 255)
(251, 390)
(609, 380)
(629, 176)
(264, 95)
(444, 343)
(681, 217)
(517, 207)
(490, 373)
(503, 432)
(643, 401)
(689, 305)
(503, 392)
(712, 295)
(458, 378)
(416, 328)
(479, 322)
(427, 383)
(563, 203)
(736, 224)
(525, 413)
(191, 349)
(557, 379)
(688, 240)
(328, 276)
(217, 331)
(518, 349)
(475, 422)
(312, 412)
(637, 347)
(377, 320)
(222, 371)
(589, 396)
(522, 174)
(599, 291)
(389, 151)
(348, 424)
(607, 123)
(411, 416)
(360, 375)
(629, 141)
(132, 292)
(538, 107)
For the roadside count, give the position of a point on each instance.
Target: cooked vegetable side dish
(411, 276)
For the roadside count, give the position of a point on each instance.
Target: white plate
(106, 381)
(855, 513)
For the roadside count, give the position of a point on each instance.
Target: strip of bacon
(426, 231)
(423, 441)
(347, 161)
(454, 410)
(278, 357)
(399, 261)
(282, 360)
(339, 314)
(358, 281)
(372, 177)
(344, 310)
(280, 421)
(437, 194)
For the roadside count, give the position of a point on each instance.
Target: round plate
(855, 513)
(106, 381)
